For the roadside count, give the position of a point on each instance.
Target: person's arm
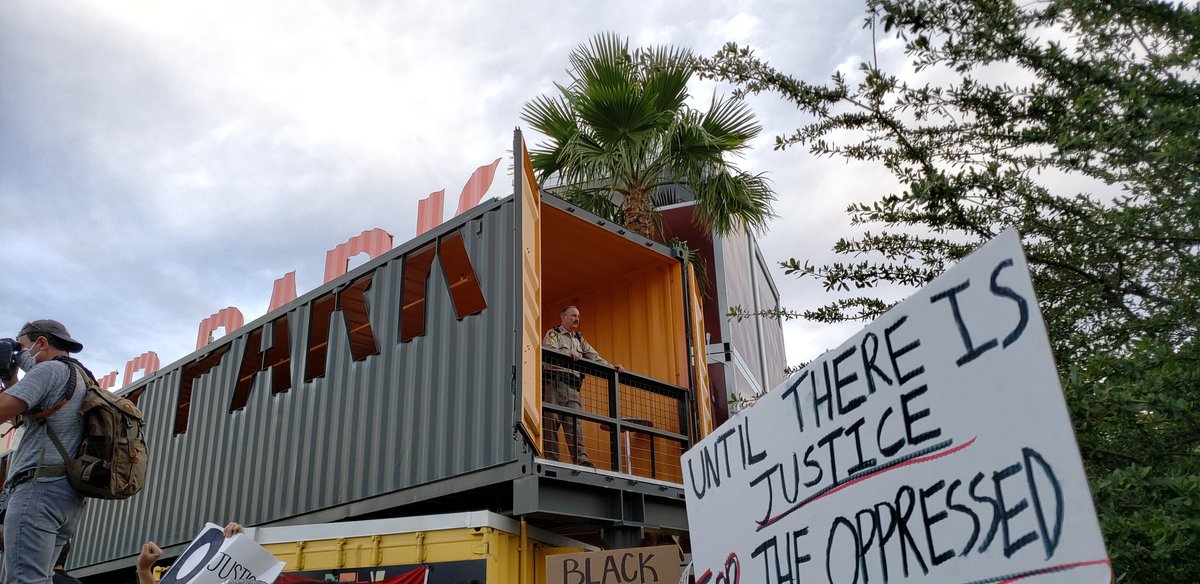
(145, 563)
(32, 389)
(11, 407)
(590, 354)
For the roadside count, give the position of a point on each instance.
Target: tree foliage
(622, 126)
(1077, 123)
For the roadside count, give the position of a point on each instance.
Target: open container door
(529, 227)
(697, 359)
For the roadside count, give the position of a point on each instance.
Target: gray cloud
(160, 161)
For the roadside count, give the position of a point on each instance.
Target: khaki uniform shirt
(559, 339)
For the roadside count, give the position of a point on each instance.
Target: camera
(10, 351)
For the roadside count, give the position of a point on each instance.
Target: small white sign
(932, 446)
(212, 558)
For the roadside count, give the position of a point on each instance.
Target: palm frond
(603, 61)
(615, 114)
(732, 201)
(551, 116)
(730, 123)
(665, 75)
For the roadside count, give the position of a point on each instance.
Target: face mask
(28, 360)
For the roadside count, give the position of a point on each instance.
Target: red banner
(416, 576)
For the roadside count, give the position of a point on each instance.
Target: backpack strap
(40, 415)
(87, 373)
(77, 371)
(58, 469)
(44, 470)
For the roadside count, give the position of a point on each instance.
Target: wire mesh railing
(618, 421)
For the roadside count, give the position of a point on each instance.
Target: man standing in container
(43, 509)
(562, 386)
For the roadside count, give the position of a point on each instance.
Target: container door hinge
(341, 552)
(299, 556)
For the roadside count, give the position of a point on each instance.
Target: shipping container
(745, 355)
(413, 385)
(473, 547)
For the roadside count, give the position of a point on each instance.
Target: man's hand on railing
(619, 368)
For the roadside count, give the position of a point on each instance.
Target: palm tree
(621, 130)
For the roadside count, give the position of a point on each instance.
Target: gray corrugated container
(439, 406)
(443, 421)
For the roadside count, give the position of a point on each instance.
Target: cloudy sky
(160, 161)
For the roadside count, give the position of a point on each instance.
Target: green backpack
(112, 459)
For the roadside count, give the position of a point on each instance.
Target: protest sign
(647, 565)
(932, 446)
(212, 558)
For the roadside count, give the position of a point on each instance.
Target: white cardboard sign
(212, 558)
(932, 446)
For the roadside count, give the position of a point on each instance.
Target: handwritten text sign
(646, 565)
(932, 446)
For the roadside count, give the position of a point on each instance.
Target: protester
(43, 508)
(151, 553)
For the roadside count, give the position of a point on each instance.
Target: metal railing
(625, 422)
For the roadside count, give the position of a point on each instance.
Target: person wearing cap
(43, 509)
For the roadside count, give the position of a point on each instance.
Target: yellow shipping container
(456, 548)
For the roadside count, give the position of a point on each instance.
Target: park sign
(932, 446)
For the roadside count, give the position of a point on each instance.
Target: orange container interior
(630, 297)
(631, 307)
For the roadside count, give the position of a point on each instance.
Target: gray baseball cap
(54, 329)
